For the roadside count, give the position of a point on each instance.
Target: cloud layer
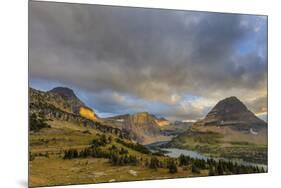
(175, 64)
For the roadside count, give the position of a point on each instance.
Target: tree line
(120, 156)
(135, 146)
(220, 167)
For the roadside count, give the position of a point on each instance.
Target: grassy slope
(92, 170)
(224, 142)
(53, 170)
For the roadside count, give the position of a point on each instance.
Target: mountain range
(62, 103)
(144, 127)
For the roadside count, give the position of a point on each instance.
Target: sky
(173, 64)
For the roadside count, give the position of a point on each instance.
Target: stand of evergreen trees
(121, 160)
(220, 167)
(102, 140)
(172, 166)
(117, 156)
(135, 146)
(120, 156)
(36, 123)
(155, 163)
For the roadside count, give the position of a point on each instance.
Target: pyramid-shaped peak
(230, 104)
(231, 99)
(231, 111)
(142, 113)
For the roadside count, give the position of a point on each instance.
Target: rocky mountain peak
(229, 105)
(64, 92)
(142, 118)
(142, 125)
(65, 99)
(142, 114)
(231, 111)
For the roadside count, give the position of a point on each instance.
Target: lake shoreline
(176, 152)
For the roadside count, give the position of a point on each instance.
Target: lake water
(175, 152)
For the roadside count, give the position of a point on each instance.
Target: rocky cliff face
(65, 99)
(143, 126)
(232, 112)
(53, 106)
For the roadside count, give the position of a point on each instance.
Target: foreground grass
(56, 171)
(48, 165)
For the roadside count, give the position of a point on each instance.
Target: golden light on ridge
(87, 113)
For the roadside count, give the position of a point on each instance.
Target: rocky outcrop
(143, 126)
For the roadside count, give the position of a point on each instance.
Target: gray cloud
(149, 54)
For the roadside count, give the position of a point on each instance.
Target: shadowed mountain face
(68, 97)
(67, 94)
(78, 107)
(64, 99)
(231, 111)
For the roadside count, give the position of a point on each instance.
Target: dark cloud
(148, 54)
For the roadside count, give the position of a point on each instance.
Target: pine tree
(212, 172)
(172, 166)
(154, 163)
(195, 169)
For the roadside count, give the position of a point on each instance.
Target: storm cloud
(175, 64)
